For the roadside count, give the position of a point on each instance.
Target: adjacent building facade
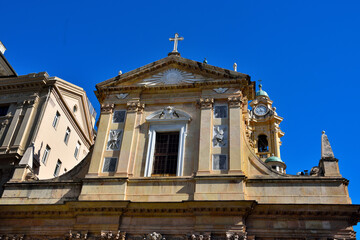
(184, 150)
(47, 117)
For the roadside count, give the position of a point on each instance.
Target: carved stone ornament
(315, 171)
(135, 106)
(5, 122)
(234, 101)
(171, 76)
(114, 140)
(107, 108)
(236, 236)
(205, 103)
(110, 235)
(154, 236)
(205, 236)
(168, 113)
(77, 235)
(121, 95)
(31, 101)
(326, 150)
(12, 237)
(220, 90)
(220, 136)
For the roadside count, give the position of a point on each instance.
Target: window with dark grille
(119, 116)
(166, 154)
(220, 111)
(263, 143)
(3, 110)
(109, 164)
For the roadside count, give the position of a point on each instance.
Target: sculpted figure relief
(220, 138)
(154, 236)
(114, 140)
(169, 113)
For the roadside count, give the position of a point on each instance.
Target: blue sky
(306, 53)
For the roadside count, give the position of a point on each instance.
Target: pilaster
(12, 128)
(24, 130)
(128, 149)
(100, 144)
(235, 134)
(206, 106)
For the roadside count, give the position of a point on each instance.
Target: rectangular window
(77, 150)
(56, 119)
(166, 154)
(46, 154)
(3, 110)
(57, 168)
(67, 135)
(220, 162)
(119, 116)
(109, 164)
(220, 111)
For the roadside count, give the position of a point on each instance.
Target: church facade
(181, 154)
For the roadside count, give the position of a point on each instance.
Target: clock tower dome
(265, 131)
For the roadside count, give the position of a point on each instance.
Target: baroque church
(184, 150)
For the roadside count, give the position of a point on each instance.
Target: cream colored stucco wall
(54, 137)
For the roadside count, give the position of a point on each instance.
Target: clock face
(261, 110)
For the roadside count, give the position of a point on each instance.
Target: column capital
(135, 106)
(107, 108)
(205, 103)
(30, 102)
(234, 101)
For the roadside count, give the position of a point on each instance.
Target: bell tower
(265, 131)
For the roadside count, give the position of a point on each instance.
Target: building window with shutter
(119, 116)
(166, 154)
(67, 136)
(56, 119)
(46, 154)
(57, 168)
(109, 164)
(77, 150)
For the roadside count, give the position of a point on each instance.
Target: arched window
(263, 145)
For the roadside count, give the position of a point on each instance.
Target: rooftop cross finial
(176, 39)
(260, 85)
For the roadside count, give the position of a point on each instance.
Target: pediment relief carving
(171, 76)
(169, 113)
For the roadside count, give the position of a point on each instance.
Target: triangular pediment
(172, 70)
